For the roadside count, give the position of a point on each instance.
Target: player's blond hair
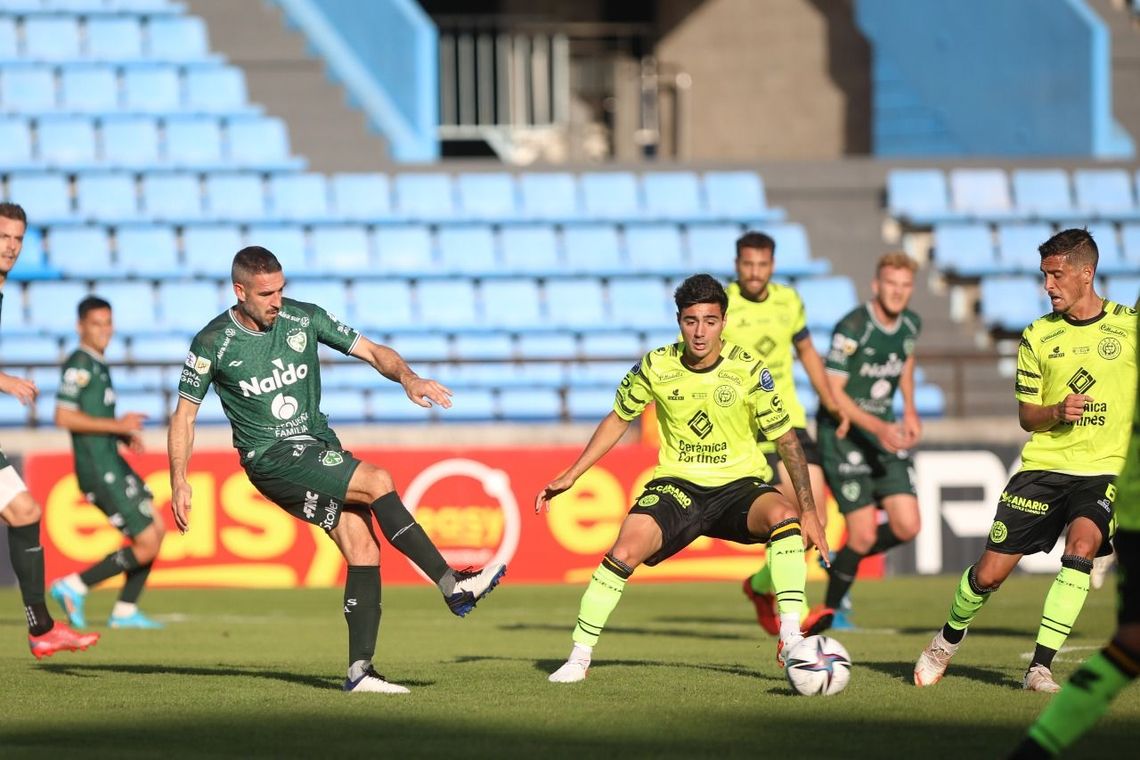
(896, 260)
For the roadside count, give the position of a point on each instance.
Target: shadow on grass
(549, 666)
(610, 629)
(707, 620)
(975, 631)
(904, 671)
(95, 670)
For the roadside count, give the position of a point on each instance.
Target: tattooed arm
(792, 455)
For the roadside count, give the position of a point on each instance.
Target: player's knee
(906, 530)
(23, 510)
(986, 580)
(860, 538)
(627, 555)
(379, 483)
(1082, 546)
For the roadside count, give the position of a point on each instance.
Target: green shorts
(305, 477)
(859, 472)
(121, 495)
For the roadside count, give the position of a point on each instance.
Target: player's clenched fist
(1071, 409)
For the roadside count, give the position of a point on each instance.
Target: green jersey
(872, 357)
(708, 418)
(771, 328)
(1127, 502)
(85, 386)
(269, 382)
(1058, 356)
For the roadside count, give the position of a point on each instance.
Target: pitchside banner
(477, 505)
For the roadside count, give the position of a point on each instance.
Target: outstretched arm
(25, 391)
(179, 444)
(606, 435)
(391, 365)
(911, 423)
(792, 455)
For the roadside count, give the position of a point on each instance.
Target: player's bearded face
(701, 326)
(1065, 284)
(753, 271)
(260, 299)
(96, 328)
(11, 242)
(892, 288)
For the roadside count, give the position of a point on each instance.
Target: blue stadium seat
(793, 252)
(600, 374)
(152, 89)
(355, 375)
(235, 197)
(217, 90)
(28, 89)
(15, 143)
(51, 38)
(1130, 244)
(1105, 193)
(30, 348)
(330, 295)
(130, 141)
(426, 197)
(153, 405)
(640, 303)
(166, 347)
(981, 193)
(151, 7)
(51, 306)
(712, 248)
(487, 196)
(737, 195)
(81, 251)
(609, 195)
(549, 196)
(1010, 303)
(1121, 288)
(404, 249)
(209, 249)
(918, 196)
(483, 346)
(467, 250)
(361, 197)
(33, 263)
(342, 249)
(965, 249)
(106, 198)
(672, 196)
(447, 303)
(589, 403)
(299, 197)
(530, 404)
(529, 249)
(9, 48)
(13, 413)
(114, 38)
(511, 303)
(472, 404)
(134, 306)
(66, 141)
(1112, 260)
(287, 243)
(343, 405)
(382, 305)
(536, 374)
(392, 405)
(261, 142)
(616, 345)
(45, 197)
(1042, 193)
(177, 38)
(592, 249)
(193, 142)
(575, 303)
(929, 400)
(827, 299)
(140, 379)
(186, 306)
(547, 345)
(654, 249)
(1017, 246)
(147, 251)
(420, 347)
(172, 197)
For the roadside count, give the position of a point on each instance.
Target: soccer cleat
(135, 620)
(1040, 678)
(71, 601)
(572, 671)
(934, 660)
(60, 638)
(841, 621)
(817, 621)
(765, 605)
(372, 682)
(785, 646)
(1100, 568)
(473, 585)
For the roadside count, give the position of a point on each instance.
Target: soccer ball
(817, 665)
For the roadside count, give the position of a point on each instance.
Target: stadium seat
(356, 375)
(548, 196)
(343, 406)
(1130, 244)
(737, 195)
(114, 38)
(330, 295)
(640, 303)
(793, 252)
(130, 141)
(133, 304)
(107, 198)
(140, 379)
(209, 249)
(980, 193)
(404, 249)
(89, 89)
(918, 196)
(66, 141)
(177, 38)
(1121, 289)
(299, 197)
(827, 299)
(160, 348)
(193, 142)
(30, 348)
(153, 405)
(426, 197)
(472, 404)
(33, 264)
(392, 405)
(447, 303)
(420, 347)
(530, 404)
(511, 303)
(51, 306)
(13, 413)
(600, 374)
(547, 345)
(609, 195)
(589, 404)
(965, 249)
(1017, 246)
(287, 243)
(575, 303)
(1108, 243)
(382, 305)
(929, 400)
(186, 306)
(529, 249)
(28, 89)
(654, 249)
(671, 196)
(487, 196)
(483, 346)
(712, 248)
(51, 38)
(361, 197)
(83, 252)
(615, 345)
(9, 48)
(342, 250)
(592, 249)
(235, 197)
(1043, 193)
(45, 197)
(261, 142)
(1105, 193)
(217, 90)
(468, 250)
(147, 251)
(15, 144)
(152, 89)
(172, 197)
(1010, 303)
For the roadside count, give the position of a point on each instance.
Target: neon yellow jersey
(1127, 503)
(708, 418)
(771, 328)
(1096, 357)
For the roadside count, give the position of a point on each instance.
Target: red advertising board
(476, 504)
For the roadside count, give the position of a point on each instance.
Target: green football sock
(362, 611)
(788, 571)
(968, 599)
(134, 583)
(119, 561)
(761, 580)
(27, 556)
(1062, 606)
(602, 595)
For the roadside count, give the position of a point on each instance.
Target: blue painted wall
(990, 78)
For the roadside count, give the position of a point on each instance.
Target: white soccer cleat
(572, 671)
(473, 585)
(934, 660)
(1100, 568)
(785, 645)
(1040, 678)
(371, 682)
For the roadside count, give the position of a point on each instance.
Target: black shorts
(685, 511)
(1127, 544)
(1038, 505)
(811, 454)
(305, 477)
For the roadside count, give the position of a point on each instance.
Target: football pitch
(682, 670)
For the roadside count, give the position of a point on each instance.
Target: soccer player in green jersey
(85, 406)
(712, 398)
(1096, 683)
(770, 320)
(261, 357)
(871, 356)
(18, 510)
(1076, 390)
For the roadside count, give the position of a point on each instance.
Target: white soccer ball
(817, 665)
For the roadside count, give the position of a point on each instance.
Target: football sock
(602, 595)
(788, 572)
(761, 580)
(843, 570)
(885, 539)
(409, 538)
(134, 583)
(27, 556)
(362, 611)
(1082, 701)
(1062, 606)
(121, 561)
(124, 609)
(968, 599)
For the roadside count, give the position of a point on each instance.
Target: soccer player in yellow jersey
(769, 319)
(1076, 392)
(712, 398)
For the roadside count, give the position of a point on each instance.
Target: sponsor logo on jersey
(665, 377)
(191, 359)
(731, 377)
(669, 489)
(765, 346)
(908, 346)
(1052, 335)
(1023, 504)
(844, 345)
(236, 363)
(700, 395)
(202, 365)
(109, 397)
(282, 376)
(746, 357)
(1109, 348)
(998, 532)
(230, 332)
(1080, 350)
(297, 340)
(1081, 381)
(700, 424)
(777, 404)
(881, 389)
(892, 367)
(676, 395)
(725, 395)
(766, 381)
(309, 509)
(1056, 353)
(331, 458)
(74, 376)
(283, 407)
(1113, 331)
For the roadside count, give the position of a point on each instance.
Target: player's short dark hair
(253, 260)
(757, 240)
(91, 303)
(13, 211)
(1077, 245)
(700, 288)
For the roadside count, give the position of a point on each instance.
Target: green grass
(682, 670)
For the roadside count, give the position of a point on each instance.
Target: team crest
(201, 365)
(998, 532)
(850, 490)
(331, 458)
(725, 395)
(1109, 348)
(648, 500)
(766, 381)
(297, 340)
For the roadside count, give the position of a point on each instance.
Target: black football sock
(27, 557)
(119, 561)
(843, 570)
(362, 611)
(885, 539)
(408, 536)
(135, 583)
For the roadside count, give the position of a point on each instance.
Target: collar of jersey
(1090, 320)
(242, 327)
(746, 299)
(880, 325)
(97, 357)
(710, 368)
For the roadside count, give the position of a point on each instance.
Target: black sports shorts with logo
(685, 511)
(1038, 505)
